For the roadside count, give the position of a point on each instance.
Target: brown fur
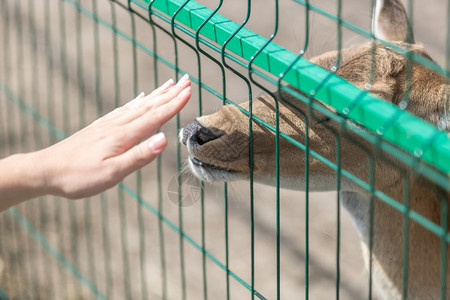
(225, 156)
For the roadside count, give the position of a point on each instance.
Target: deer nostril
(197, 133)
(204, 135)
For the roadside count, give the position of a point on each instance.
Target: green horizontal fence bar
(410, 133)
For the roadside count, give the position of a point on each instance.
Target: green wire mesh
(55, 78)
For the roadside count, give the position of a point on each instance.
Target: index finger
(153, 119)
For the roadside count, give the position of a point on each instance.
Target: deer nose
(197, 134)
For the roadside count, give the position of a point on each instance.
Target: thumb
(143, 153)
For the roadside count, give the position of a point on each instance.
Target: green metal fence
(66, 62)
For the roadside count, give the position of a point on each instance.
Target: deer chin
(211, 173)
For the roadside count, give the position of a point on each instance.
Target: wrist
(41, 176)
(21, 178)
(31, 168)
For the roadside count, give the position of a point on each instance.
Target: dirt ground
(114, 243)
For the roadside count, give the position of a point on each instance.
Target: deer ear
(390, 22)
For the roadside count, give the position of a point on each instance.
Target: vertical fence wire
(159, 166)
(277, 148)
(16, 265)
(179, 176)
(373, 64)
(444, 244)
(5, 225)
(87, 202)
(406, 203)
(338, 159)
(40, 206)
(197, 50)
(23, 124)
(409, 62)
(337, 165)
(306, 142)
(103, 200)
(71, 207)
(122, 206)
(19, 63)
(104, 205)
(251, 163)
(371, 222)
(99, 104)
(141, 220)
(225, 187)
(445, 123)
(72, 210)
(61, 274)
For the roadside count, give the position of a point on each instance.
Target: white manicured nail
(156, 143)
(166, 84)
(183, 79)
(184, 92)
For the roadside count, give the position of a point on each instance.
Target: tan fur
(390, 21)
(219, 143)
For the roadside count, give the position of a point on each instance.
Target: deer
(218, 147)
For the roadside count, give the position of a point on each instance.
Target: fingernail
(183, 79)
(166, 84)
(142, 94)
(157, 142)
(185, 92)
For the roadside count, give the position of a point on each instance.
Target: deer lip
(199, 163)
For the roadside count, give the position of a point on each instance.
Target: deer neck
(386, 236)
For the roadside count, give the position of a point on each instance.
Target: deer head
(218, 145)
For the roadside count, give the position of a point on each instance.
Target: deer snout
(196, 134)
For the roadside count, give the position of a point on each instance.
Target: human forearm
(22, 177)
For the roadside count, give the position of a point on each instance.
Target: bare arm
(97, 157)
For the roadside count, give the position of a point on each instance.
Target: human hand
(105, 152)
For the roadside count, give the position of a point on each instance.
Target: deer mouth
(210, 173)
(198, 138)
(201, 164)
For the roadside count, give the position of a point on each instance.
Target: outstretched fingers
(143, 153)
(170, 93)
(142, 98)
(143, 104)
(153, 119)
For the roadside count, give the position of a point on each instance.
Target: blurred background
(65, 63)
